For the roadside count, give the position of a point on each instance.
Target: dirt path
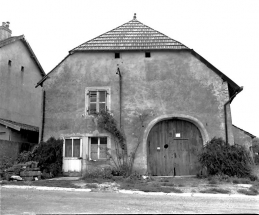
(30, 201)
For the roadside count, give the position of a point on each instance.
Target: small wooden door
(72, 155)
(172, 148)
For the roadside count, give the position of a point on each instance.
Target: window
(147, 54)
(117, 55)
(97, 99)
(97, 148)
(72, 147)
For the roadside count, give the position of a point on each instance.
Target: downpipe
(120, 88)
(225, 110)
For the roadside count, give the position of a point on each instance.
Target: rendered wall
(241, 138)
(168, 83)
(20, 100)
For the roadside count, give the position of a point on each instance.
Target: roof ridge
(132, 35)
(93, 38)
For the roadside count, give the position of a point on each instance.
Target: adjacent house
(168, 100)
(20, 101)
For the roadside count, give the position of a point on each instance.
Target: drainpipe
(43, 115)
(225, 110)
(120, 88)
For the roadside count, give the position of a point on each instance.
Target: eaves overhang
(18, 126)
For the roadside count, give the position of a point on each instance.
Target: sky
(224, 32)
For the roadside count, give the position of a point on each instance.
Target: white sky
(224, 32)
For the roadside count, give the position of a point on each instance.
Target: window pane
(68, 148)
(92, 107)
(94, 148)
(103, 147)
(93, 96)
(94, 140)
(76, 149)
(102, 95)
(102, 106)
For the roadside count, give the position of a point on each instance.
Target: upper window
(96, 100)
(72, 148)
(117, 55)
(147, 54)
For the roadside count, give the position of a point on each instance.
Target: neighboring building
(20, 101)
(244, 138)
(163, 93)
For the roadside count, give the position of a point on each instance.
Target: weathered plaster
(167, 84)
(20, 100)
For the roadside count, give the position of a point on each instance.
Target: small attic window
(22, 68)
(147, 54)
(117, 55)
(9, 62)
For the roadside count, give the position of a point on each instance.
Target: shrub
(48, 155)
(221, 158)
(6, 162)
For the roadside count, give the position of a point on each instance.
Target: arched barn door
(172, 148)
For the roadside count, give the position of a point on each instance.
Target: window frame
(98, 147)
(87, 99)
(72, 151)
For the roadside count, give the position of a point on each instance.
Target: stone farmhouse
(168, 100)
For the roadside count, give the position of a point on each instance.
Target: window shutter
(88, 102)
(106, 99)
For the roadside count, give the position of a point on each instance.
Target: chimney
(5, 32)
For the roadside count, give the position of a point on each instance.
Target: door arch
(172, 148)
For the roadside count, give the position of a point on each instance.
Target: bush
(223, 159)
(6, 162)
(47, 154)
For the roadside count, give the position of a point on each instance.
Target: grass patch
(241, 181)
(213, 181)
(168, 184)
(91, 185)
(249, 192)
(46, 183)
(215, 191)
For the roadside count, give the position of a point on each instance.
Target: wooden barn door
(172, 148)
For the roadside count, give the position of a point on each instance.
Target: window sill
(99, 160)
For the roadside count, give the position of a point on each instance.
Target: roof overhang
(18, 126)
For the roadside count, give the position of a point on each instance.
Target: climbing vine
(122, 160)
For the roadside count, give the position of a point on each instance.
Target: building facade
(168, 100)
(20, 101)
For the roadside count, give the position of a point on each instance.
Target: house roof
(249, 134)
(18, 126)
(132, 35)
(22, 38)
(135, 36)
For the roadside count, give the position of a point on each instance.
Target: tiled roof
(18, 126)
(132, 35)
(22, 38)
